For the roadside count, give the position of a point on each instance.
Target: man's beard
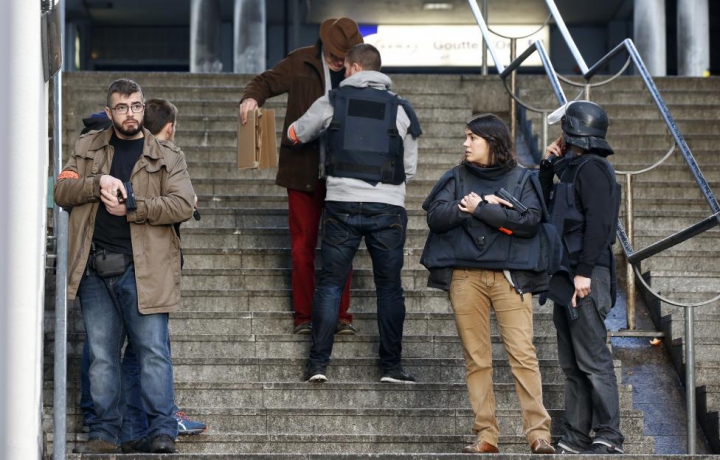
(127, 132)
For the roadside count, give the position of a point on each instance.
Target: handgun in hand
(507, 196)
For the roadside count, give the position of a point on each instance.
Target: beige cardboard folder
(257, 146)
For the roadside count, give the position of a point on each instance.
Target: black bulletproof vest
(363, 140)
(566, 216)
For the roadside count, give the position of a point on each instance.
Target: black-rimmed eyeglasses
(122, 109)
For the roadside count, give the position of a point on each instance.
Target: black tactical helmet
(584, 124)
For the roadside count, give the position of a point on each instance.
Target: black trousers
(591, 392)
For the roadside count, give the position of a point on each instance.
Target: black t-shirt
(336, 77)
(113, 232)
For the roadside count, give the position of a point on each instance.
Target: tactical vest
(566, 216)
(363, 140)
(490, 247)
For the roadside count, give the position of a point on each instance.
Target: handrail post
(630, 233)
(485, 48)
(513, 82)
(60, 377)
(544, 132)
(690, 377)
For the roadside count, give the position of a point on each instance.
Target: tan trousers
(473, 293)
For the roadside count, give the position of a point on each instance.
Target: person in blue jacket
(484, 250)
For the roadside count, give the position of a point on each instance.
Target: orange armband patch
(292, 135)
(67, 174)
(505, 231)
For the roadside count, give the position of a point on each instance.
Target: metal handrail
(600, 83)
(672, 302)
(522, 36)
(632, 257)
(60, 231)
(649, 168)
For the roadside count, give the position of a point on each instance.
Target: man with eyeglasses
(126, 190)
(305, 75)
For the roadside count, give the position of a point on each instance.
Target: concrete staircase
(666, 200)
(238, 366)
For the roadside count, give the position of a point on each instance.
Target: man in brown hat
(305, 75)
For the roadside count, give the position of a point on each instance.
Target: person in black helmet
(584, 206)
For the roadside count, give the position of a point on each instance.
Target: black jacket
(595, 198)
(462, 240)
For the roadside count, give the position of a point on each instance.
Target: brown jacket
(302, 76)
(164, 196)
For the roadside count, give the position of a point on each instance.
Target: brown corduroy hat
(339, 35)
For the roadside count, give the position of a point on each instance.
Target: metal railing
(60, 237)
(633, 257)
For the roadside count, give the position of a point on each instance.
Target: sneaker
(303, 328)
(344, 328)
(397, 375)
(138, 446)
(163, 444)
(599, 448)
(315, 374)
(97, 446)
(562, 449)
(187, 426)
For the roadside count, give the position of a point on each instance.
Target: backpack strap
(538, 189)
(459, 177)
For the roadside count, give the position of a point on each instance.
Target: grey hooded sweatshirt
(318, 117)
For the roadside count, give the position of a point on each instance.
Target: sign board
(451, 46)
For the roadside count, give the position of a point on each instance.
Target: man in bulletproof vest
(584, 206)
(372, 151)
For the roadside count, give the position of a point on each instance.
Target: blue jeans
(135, 422)
(86, 404)
(344, 225)
(110, 312)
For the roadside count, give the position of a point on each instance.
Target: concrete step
(651, 112)
(706, 325)
(189, 120)
(646, 187)
(281, 322)
(546, 98)
(354, 395)
(360, 370)
(355, 422)
(445, 158)
(229, 170)
(362, 300)
(682, 261)
(646, 123)
(236, 217)
(712, 391)
(277, 258)
(221, 339)
(272, 278)
(706, 352)
(262, 238)
(356, 447)
(634, 83)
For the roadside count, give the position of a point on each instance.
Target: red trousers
(304, 213)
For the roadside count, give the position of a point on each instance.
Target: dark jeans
(591, 390)
(344, 225)
(110, 312)
(135, 421)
